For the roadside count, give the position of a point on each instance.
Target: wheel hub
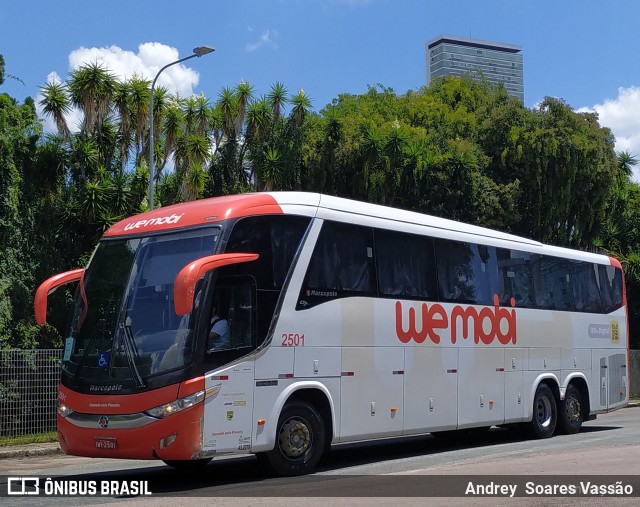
(543, 412)
(295, 438)
(573, 409)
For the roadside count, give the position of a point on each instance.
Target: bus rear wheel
(300, 440)
(571, 411)
(545, 413)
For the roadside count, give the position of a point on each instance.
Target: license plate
(106, 443)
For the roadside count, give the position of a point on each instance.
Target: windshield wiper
(131, 352)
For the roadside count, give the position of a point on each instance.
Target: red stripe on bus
(202, 211)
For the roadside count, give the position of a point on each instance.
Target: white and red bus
(346, 321)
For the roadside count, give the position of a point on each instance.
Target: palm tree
(161, 99)
(216, 126)
(193, 182)
(84, 159)
(196, 118)
(272, 170)
(626, 163)
(55, 102)
(91, 89)
(228, 105)
(121, 96)
(301, 107)
(277, 97)
(200, 125)
(258, 119)
(244, 93)
(138, 102)
(172, 126)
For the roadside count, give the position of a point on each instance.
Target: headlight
(63, 410)
(175, 406)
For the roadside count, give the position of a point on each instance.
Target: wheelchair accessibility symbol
(103, 359)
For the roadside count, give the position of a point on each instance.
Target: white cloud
(267, 37)
(622, 116)
(150, 58)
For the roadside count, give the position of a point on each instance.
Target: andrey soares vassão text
(530, 488)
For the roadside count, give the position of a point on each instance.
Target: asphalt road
(393, 472)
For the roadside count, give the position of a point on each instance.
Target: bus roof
(215, 209)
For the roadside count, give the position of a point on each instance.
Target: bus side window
(467, 272)
(276, 238)
(516, 279)
(552, 282)
(586, 294)
(341, 265)
(610, 287)
(405, 265)
(454, 262)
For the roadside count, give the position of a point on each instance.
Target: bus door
(228, 411)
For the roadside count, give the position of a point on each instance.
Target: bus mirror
(185, 283)
(48, 286)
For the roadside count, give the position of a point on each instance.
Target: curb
(25, 451)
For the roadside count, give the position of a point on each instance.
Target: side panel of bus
(430, 385)
(609, 379)
(514, 362)
(372, 392)
(481, 387)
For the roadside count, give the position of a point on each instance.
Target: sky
(585, 52)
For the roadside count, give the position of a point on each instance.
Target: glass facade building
(497, 62)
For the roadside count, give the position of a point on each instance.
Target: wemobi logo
(172, 219)
(487, 324)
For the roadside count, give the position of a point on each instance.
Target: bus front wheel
(300, 437)
(545, 413)
(571, 411)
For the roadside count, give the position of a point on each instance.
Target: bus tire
(545, 413)
(187, 465)
(300, 440)
(570, 414)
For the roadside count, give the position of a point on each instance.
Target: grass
(39, 438)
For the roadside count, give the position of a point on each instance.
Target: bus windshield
(124, 328)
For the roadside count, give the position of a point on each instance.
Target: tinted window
(405, 265)
(515, 278)
(275, 238)
(551, 281)
(341, 265)
(584, 285)
(467, 273)
(610, 279)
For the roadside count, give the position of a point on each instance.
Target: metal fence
(28, 388)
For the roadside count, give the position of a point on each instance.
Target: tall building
(499, 63)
